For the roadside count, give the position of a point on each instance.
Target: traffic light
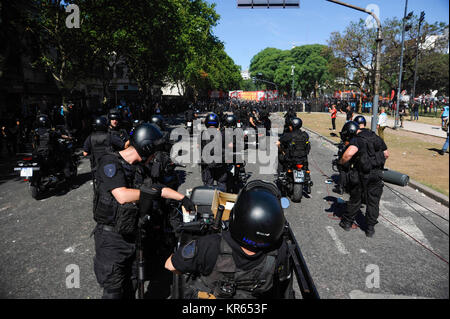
(422, 16)
(409, 15)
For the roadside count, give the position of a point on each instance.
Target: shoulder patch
(110, 170)
(190, 250)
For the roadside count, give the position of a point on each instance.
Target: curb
(441, 198)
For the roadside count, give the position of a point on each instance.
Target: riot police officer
(366, 155)
(264, 117)
(295, 147)
(214, 170)
(119, 186)
(290, 114)
(101, 141)
(246, 261)
(45, 146)
(189, 114)
(114, 127)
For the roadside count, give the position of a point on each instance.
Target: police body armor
(107, 211)
(120, 132)
(299, 146)
(44, 143)
(213, 164)
(101, 144)
(371, 156)
(229, 282)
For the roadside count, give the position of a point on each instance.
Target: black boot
(370, 231)
(345, 225)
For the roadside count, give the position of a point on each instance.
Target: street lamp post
(292, 73)
(405, 18)
(413, 93)
(377, 61)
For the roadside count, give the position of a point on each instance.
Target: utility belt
(353, 177)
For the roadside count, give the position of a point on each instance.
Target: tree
(357, 47)
(62, 51)
(314, 67)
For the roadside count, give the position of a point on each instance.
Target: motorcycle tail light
(25, 180)
(238, 165)
(299, 166)
(27, 158)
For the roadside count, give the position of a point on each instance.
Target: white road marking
(405, 223)
(71, 249)
(340, 246)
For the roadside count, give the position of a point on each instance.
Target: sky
(245, 32)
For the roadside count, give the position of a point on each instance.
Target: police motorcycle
(40, 173)
(236, 168)
(294, 178)
(205, 221)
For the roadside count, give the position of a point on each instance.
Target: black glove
(148, 194)
(188, 204)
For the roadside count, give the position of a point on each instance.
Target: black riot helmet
(257, 220)
(212, 120)
(157, 120)
(100, 124)
(296, 123)
(349, 130)
(114, 114)
(230, 120)
(145, 138)
(360, 120)
(43, 121)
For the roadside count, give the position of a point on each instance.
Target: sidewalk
(415, 127)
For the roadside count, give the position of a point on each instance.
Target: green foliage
(160, 42)
(357, 47)
(314, 64)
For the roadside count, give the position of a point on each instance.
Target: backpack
(299, 145)
(371, 152)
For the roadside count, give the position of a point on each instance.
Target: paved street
(39, 239)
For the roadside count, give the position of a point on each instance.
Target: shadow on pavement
(338, 208)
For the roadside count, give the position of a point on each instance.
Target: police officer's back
(366, 155)
(213, 168)
(295, 144)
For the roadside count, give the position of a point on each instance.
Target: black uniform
(287, 118)
(296, 147)
(120, 133)
(366, 181)
(99, 143)
(215, 171)
(221, 268)
(115, 234)
(189, 115)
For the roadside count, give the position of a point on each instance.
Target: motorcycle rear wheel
(297, 193)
